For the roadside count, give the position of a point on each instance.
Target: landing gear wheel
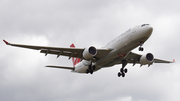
(91, 71)
(93, 67)
(121, 70)
(89, 67)
(125, 70)
(123, 74)
(141, 48)
(140, 44)
(87, 71)
(119, 74)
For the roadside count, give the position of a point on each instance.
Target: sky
(59, 23)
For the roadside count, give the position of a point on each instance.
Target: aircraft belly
(113, 62)
(111, 59)
(81, 69)
(118, 55)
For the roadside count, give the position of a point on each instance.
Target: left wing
(134, 58)
(70, 52)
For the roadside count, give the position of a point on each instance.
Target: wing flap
(63, 53)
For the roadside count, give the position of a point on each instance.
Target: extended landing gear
(90, 69)
(140, 44)
(122, 70)
(141, 48)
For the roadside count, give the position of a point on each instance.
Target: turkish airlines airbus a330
(117, 51)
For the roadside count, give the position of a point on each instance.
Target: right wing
(134, 58)
(70, 52)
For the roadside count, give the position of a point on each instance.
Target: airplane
(117, 51)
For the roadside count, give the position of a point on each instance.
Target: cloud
(60, 23)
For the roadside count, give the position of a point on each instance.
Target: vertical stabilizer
(75, 60)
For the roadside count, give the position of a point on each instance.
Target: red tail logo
(75, 60)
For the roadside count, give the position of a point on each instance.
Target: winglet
(7, 43)
(174, 60)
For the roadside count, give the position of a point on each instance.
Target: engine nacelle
(89, 53)
(146, 59)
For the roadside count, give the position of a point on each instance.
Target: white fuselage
(121, 46)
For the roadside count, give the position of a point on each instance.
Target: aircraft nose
(143, 32)
(148, 30)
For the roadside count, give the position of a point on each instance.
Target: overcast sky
(24, 77)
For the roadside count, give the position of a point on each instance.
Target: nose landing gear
(141, 48)
(140, 44)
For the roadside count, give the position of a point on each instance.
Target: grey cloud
(60, 23)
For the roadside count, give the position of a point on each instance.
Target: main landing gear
(123, 70)
(140, 44)
(90, 69)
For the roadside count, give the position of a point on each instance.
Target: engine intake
(146, 59)
(89, 53)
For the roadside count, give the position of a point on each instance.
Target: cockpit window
(144, 25)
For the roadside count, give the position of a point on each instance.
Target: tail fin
(75, 60)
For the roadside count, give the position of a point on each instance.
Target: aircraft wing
(69, 52)
(134, 58)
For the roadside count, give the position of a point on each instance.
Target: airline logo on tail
(75, 60)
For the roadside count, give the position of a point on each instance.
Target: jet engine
(89, 53)
(146, 59)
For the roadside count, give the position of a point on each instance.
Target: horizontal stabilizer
(71, 68)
